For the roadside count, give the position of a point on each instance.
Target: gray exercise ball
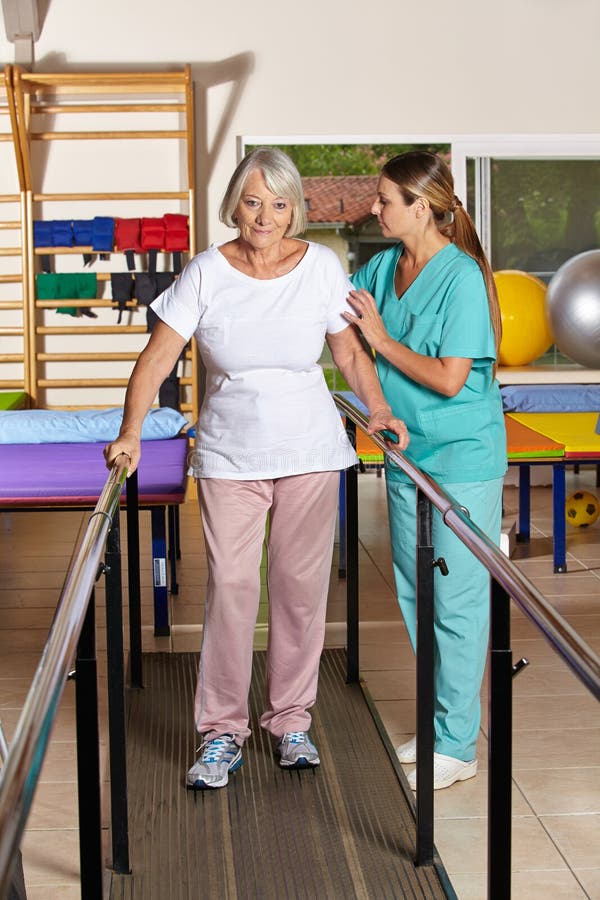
(573, 308)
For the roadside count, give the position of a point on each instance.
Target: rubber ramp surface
(341, 831)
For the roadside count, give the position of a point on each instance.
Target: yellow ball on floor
(582, 508)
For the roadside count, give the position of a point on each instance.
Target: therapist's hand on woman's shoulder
(367, 319)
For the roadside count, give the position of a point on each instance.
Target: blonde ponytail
(465, 237)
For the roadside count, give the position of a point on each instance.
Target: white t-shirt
(267, 411)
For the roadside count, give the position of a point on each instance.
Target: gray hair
(282, 179)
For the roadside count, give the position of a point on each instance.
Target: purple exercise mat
(76, 473)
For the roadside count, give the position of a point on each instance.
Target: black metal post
(133, 571)
(352, 675)
(524, 503)
(173, 550)
(559, 498)
(500, 747)
(88, 759)
(159, 571)
(116, 702)
(425, 681)
(342, 526)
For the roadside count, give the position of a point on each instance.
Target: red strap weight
(177, 235)
(153, 234)
(127, 235)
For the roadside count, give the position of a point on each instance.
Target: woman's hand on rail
(384, 420)
(127, 445)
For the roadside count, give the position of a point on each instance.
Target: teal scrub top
(444, 312)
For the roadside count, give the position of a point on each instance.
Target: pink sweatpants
(299, 548)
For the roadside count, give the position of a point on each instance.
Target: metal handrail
(569, 645)
(20, 773)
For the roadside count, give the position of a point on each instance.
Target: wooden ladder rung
(83, 330)
(115, 197)
(52, 109)
(107, 135)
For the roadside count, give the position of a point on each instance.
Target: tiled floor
(556, 790)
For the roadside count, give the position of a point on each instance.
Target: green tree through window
(348, 159)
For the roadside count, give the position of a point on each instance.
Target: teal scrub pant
(461, 605)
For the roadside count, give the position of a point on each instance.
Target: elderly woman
(270, 442)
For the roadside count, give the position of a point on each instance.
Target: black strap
(145, 288)
(122, 291)
(163, 281)
(168, 393)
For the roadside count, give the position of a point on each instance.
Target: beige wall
(320, 68)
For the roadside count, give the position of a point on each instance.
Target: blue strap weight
(62, 233)
(103, 229)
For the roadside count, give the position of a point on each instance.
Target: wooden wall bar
(140, 113)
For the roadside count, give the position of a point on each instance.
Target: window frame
(483, 148)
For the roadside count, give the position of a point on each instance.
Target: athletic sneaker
(297, 751)
(446, 771)
(218, 757)
(407, 753)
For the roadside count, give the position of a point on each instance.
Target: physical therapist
(428, 307)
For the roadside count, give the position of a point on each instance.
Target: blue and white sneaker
(297, 751)
(218, 757)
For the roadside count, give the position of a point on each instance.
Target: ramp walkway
(344, 830)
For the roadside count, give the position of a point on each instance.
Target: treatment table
(72, 475)
(559, 439)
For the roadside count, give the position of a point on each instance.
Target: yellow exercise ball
(526, 333)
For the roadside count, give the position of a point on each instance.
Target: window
(340, 181)
(535, 201)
